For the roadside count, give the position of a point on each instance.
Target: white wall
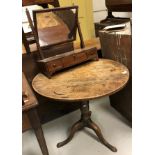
(100, 11)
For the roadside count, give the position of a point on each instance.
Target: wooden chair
(114, 6)
(43, 3)
(28, 37)
(117, 6)
(54, 27)
(29, 104)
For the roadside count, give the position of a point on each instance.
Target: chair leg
(35, 123)
(25, 42)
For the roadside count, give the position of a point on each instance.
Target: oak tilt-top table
(84, 82)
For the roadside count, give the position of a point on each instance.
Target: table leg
(86, 121)
(35, 123)
(77, 126)
(98, 132)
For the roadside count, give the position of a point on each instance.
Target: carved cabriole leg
(86, 121)
(77, 126)
(35, 123)
(98, 132)
(86, 118)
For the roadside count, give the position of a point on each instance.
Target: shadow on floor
(115, 113)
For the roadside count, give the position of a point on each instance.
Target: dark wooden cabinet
(119, 48)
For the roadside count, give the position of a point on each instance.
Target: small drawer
(80, 57)
(89, 53)
(68, 61)
(94, 56)
(56, 64)
(49, 68)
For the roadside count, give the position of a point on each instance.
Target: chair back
(27, 35)
(43, 3)
(119, 5)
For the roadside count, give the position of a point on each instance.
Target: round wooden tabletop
(84, 82)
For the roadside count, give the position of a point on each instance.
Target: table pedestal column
(86, 121)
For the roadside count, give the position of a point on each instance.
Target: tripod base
(86, 121)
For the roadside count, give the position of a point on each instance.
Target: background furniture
(29, 104)
(114, 6)
(99, 78)
(117, 45)
(43, 3)
(28, 37)
(110, 43)
(119, 5)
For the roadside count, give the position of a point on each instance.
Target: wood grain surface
(84, 82)
(50, 28)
